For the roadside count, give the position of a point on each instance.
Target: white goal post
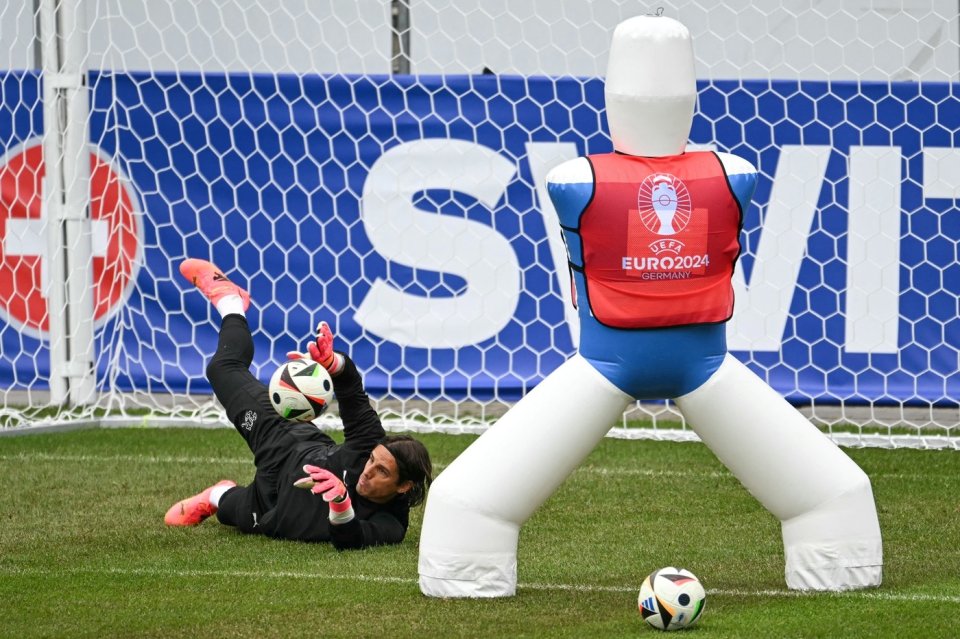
(380, 165)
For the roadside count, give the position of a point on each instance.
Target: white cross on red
(27, 237)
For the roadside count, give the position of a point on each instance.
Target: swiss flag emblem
(116, 238)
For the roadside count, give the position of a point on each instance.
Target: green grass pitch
(84, 552)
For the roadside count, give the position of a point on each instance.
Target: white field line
(135, 459)
(194, 459)
(410, 581)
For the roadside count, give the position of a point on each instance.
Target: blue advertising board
(285, 182)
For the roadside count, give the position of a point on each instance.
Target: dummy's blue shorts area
(657, 363)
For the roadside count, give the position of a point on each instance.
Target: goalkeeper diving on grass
(306, 487)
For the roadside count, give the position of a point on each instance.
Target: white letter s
(402, 233)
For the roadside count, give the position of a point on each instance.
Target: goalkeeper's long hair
(413, 463)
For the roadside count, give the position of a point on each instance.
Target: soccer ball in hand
(671, 598)
(301, 390)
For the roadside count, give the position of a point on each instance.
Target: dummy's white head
(651, 88)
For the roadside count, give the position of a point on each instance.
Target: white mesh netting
(380, 166)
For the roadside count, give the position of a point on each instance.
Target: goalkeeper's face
(380, 480)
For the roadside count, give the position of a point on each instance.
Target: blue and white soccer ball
(301, 390)
(671, 599)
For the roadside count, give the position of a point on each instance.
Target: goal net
(380, 165)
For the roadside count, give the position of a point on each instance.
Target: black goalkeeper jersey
(301, 515)
(271, 505)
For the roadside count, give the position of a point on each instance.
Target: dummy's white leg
(823, 499)
(473, 514)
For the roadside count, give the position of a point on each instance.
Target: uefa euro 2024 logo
(664, 204)
(665, 209)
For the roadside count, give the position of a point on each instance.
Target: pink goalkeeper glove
(321, 350)
(321, 481)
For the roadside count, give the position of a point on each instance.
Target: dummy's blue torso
(652, 363)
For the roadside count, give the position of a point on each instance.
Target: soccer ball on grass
(671, 599)
(301, 390)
